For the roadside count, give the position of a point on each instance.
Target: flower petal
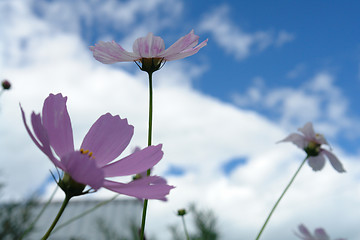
(187, 52)
(334, 161)
(107, 138)
(135, 163)
(152, 187)
(83, 169)
(184, 47)
(41, 135)
(320, 234)
(112, 52)
(297, 139)
(148, 47)
(308, 131)
(317, 163)
(57, 122)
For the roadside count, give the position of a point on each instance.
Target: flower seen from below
(149, 51)
(93, 164)
(311, 143)
(319, 234)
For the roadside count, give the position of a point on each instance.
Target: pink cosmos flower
(149, 50)
(93, 163)
(311, 143)
(319, 234)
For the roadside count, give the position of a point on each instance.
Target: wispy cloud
(230, 36)
(318, 99)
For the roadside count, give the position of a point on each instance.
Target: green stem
(185, 229)
(84, 213)
(63, 206)
(40, 213)
(143, 220)
(282, 195)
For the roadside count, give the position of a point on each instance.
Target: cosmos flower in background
(93, 163)
(319, 234)
(149, 51)
(311, 143)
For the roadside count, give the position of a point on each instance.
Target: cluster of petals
(148, 47)
(319, 234)
(94, 163)
(309, 136)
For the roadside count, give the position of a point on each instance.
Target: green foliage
(14, 219)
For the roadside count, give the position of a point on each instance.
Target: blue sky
(268, 68)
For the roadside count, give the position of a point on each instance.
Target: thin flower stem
(282, 195)
(185, 229)
(40, 213)
(84, 213)
(143, 220)
(63, 206)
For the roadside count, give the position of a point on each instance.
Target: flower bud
(6, 84)
(181, 212)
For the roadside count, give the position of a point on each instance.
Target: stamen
(86, 152)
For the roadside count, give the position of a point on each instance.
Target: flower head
(319, 234)
(149, 51)
(93, 163)
(311, 143)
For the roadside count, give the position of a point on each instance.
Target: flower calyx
(70, 187)
(313, 149)
(151, 65)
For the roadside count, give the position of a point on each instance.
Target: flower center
(86, 152)
(313, 148)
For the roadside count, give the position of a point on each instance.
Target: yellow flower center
(86, 152)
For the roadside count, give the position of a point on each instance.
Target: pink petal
(186, 53)
(297, 139)
(188, 41)
(57, 122)
(152, 187)
(41, 134)
(184, 47)
(320, 234)
(317, 163)
(334, 161)
(148, 47)
(135, 163)
(305, 234)
(107, 138)
(83, 169)
(111, 52)
(308, 131)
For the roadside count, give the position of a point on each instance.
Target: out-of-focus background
(269, 67)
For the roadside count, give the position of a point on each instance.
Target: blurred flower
(181, 212)
(149, 51)
(311, 143)
(6, 85)
(319, 234)
(105, 141)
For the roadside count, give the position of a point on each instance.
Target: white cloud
(318, 100)
(199, 134)
(236, 41)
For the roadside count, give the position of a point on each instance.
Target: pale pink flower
(93, 163)
(149, 50)
(311, 143)
(319, 234)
